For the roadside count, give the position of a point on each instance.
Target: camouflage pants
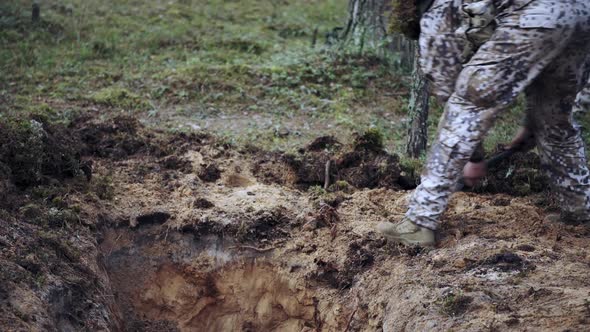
(539, 48)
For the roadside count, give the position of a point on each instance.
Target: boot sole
(407, 242)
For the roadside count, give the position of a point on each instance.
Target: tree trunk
(367, 24)
(35, 12)
(418, 113)
(367, 29)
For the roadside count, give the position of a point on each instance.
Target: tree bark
(367, 24)
(35, 12)
(418, 113)
(367, 29)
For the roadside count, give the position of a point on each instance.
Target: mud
(169, 251)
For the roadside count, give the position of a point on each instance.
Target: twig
(356, 233)
(327, 175)
(114, 243)
(333, 231)
(314, 38)
(352, 316)
(252, 248)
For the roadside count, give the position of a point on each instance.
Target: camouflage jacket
(453, 30)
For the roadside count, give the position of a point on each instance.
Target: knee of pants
(485, 86)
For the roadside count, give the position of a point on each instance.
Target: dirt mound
(518, 175)
(33, 151)
(364, 164)
(115, 138)
(124, 136)
(254, 227)
(169, 250)
(47, 281)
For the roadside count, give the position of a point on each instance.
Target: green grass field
(244, 70)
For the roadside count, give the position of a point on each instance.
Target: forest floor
(163, 168)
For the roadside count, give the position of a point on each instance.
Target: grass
(185, 61)
(245, 70)
(453, 305)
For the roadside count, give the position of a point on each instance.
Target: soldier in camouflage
(480, 55)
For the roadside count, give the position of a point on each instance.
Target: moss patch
(119, 98)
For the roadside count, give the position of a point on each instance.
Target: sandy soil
(195, 240)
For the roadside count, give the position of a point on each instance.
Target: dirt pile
(169, 249)
(326, 162)
(34, 151)
(518, 175)
(51, 278)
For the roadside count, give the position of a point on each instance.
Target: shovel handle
(499, 157)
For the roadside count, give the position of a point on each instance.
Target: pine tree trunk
(367, 24)
(36, 12)
(418, 113)
(367, 29)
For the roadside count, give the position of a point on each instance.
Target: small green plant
(40, 280)
(411, 166)
(103, 187)
(317, 191)
(119, 98)
(454, 304)
(61, 246)
(61, 217)
(33, 213)
(340, 186)
(372, 139)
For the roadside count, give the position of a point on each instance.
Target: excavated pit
(196, 236)
(184, 282)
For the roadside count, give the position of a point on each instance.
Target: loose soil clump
(33, 151)
(210, 173)
(364, 164)
(518, 175)
(116, 138)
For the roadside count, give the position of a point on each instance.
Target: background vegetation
(248, 70)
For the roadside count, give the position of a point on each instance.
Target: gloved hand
(473, 172)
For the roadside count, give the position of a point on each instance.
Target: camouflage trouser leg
(440, 47)
(558, 136)
(526, 43)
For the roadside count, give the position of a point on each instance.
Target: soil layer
(184, 233)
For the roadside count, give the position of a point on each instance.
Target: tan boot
(407, 233)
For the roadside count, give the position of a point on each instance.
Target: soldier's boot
(407, 233)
